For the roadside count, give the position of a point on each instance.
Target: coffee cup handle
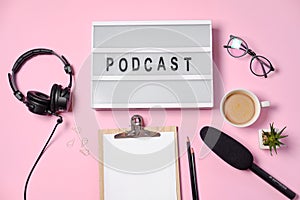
(265, 104)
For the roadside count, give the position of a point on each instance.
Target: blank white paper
(140, 168)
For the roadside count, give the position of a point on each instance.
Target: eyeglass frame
(251, 53)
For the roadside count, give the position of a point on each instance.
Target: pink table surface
(271, 28)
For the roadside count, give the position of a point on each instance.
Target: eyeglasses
(259, 65)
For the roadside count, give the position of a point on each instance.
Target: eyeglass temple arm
(244, 46)
(261, 64)
(230, 47)
(266, 64)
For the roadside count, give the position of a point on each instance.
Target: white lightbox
(149, 64)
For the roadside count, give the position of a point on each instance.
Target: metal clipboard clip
(137, 129)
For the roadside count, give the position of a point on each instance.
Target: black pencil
(194, 175)
(193, 178)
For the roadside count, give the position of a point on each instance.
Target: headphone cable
(59, 121)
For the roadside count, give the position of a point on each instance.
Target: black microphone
(238, 156)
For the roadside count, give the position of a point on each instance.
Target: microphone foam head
(227, 148)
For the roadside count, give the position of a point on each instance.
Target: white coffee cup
(241, 107)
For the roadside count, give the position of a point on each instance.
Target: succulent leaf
(282, 136)
(273, 137)
(270, 147)
(275, 149)
(280, 132)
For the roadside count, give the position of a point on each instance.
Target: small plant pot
(260, 139)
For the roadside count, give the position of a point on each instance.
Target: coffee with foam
(239, 108)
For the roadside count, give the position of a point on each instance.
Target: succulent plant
(272, 138)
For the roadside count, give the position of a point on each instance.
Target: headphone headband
(29, 55)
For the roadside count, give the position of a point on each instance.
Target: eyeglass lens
(237, 47)
(260, 66)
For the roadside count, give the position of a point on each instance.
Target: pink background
(270, 27)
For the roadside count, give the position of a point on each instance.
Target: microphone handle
(272, 181)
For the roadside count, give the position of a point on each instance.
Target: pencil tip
(188, 139)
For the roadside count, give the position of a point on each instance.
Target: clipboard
(150, 173)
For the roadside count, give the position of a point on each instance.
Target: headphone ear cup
(37, 102)
(64, 99)
(59, 98)
(53, 94)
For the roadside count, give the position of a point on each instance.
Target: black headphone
(38, 102)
